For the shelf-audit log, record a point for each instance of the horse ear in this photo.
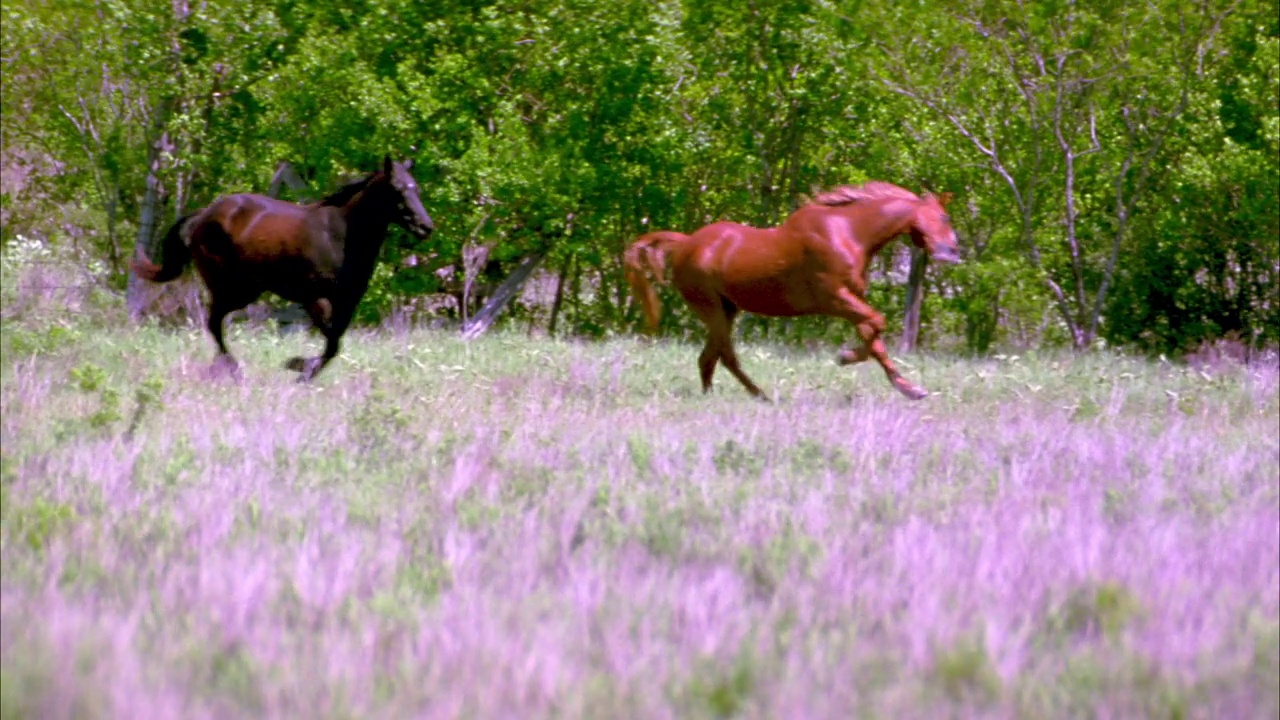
(944, 198)
(386, 164)
(408, 163)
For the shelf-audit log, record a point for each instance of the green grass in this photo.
(535, 527)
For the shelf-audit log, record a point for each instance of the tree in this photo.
(1088, 142)
(1206, 258)
(1062, 101)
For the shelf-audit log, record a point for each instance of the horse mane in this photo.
(346, 192)
(874, 190)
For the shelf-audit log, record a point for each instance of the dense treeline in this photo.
(1117, 164)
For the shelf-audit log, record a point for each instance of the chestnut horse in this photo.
(320, 255)
(814, 263)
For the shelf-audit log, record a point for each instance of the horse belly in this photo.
(288, 260)
(776, 296)
(298, 280)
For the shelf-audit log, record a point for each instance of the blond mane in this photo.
(875, 190)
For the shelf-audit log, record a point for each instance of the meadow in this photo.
(517, 527)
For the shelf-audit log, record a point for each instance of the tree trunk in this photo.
(559, 300)
(484, 319)
(113, 236)
(286, 175)
(915, 299)
(144, 244)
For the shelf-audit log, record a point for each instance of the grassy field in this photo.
(533, 528)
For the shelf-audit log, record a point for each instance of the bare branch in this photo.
(71, 118)
(1063, 305)
(1069, 191)
(960, 126)
(1093, 133)
(1023, 194)
(1124, 207)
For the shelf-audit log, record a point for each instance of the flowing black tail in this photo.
(174, 255)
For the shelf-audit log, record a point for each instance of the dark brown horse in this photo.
(815, 263)
(320, 255)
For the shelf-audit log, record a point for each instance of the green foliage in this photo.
(88, 377)
(147, 398)
(663, 532)
(22, 341)
(809, 457)
(721, 692)
(91, 380)
(179, 463)
(149, 393)
(377, 423)
(1266, 655)
(36, 523)
(415, 584)
(244, 490)
(570, 127)
(641, 457)
(230, 673)
(1082, 115)
(1104, 609)
(965, 672)
(731, 457)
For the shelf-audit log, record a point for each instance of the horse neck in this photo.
(880, 221)
(367, 225)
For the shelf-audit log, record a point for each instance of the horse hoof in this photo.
(225, 366)
(850, 357)
(306, 367)
(911, 391)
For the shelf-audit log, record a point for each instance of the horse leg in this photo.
(707, 360)
(707, 307)
(219, 308)
(870, 325)
(332, 326)
(730, 357)
(320, 311)
(312, 366)
(718, 316)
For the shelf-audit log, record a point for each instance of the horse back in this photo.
(733, 250)
(782, 271)
(263, 228)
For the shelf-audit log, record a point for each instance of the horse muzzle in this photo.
(422, 230)
(948, 255)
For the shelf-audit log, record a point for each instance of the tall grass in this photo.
(535, 528)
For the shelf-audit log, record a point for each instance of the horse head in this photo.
(410, 214)
(931, 229)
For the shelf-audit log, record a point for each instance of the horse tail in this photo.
(648, 256)
(174, 255)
